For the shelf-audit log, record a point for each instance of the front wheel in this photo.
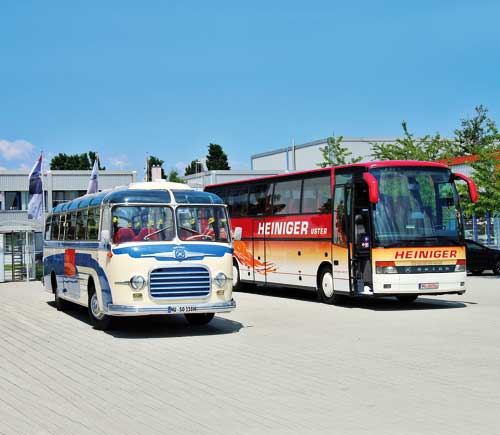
(98, 319)
(406, 299)
(236, 277)
(200, 318)
(325, 287)
(496, 267)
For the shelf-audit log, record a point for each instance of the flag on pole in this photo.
(35, 205)
(93, 182)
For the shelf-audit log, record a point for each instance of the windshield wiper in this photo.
(147, 236)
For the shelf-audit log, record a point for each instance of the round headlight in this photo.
(220, 279)
(137, 282)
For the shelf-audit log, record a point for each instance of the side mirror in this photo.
(372, 183)
(105, 236)
(470, 184)
(237, 233)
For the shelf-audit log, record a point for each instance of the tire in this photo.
(98, 319)
(477, 271)
(496, 267)
(199, 319)
(326, 291)
(407, 299)
(236, 277)
(60, 303)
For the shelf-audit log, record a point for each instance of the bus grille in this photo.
(179, 282)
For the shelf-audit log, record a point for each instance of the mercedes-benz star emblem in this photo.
(179, 253)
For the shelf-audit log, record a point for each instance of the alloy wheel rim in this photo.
(327, 284)
(94, 307)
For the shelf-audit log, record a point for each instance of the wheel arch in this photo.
(324, 265)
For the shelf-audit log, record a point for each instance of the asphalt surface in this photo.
(281, 363)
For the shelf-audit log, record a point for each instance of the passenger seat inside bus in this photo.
(124, 235)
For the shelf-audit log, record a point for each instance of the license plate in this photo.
(181, 309)
(428, 285)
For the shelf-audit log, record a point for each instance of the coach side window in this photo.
(259, 199)
(317, 196)
(237, 201)
(286, 197)
(54, 229)
(81, 224)
(47, 227)
(70, 226)
(93, 224)
(63, 227)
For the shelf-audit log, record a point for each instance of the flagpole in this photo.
(43, 192)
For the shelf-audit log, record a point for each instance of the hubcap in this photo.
(235, 276)
(327, 284)
(94, 307)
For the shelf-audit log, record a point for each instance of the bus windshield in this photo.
(142, 224)
(207, 223)
(417, 206)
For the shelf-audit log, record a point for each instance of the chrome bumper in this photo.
(134, 310)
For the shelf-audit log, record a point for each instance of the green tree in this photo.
(426, 148)
(479, 136)
(74, 162)
(194, 167)
(174, 177)
(92, 157)
(155, 161)
(216, 158)
(334, 154)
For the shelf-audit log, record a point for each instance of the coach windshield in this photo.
(417, 206)
(200, 222)
(142, 224)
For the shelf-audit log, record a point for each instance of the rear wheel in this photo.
(60, 303)
(325, 287)
(200, 318)
(477, 271)
(407, 299)
(98, 319)
(496, 267)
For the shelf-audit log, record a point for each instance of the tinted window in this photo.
(341, 215)
(237, 201)
(259, 199)
(286, 197)
(317, 196)
(70, 226)
(81, 225)
(54, 230)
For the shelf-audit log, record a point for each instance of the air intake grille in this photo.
(179, 282)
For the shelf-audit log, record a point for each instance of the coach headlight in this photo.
(220, 279)
(137, 282)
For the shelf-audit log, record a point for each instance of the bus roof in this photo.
(156, 192)
(367, 165)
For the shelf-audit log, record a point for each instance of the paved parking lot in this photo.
(279, 364)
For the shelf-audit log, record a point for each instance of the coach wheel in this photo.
(496, 267)
(325, 287)
(98, 319)
(61, 304)
(199, 319)
(476, 271)
(406, 299)
(236, 276)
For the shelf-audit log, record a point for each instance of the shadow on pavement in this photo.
(157, 326)
(369, 303)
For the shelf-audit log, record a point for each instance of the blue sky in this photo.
(125, 77)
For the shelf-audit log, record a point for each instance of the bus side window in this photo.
(259, 199)
(317, 195)
(71, 226)
(47, 227)
(286, 197)
(237, 201)
(93, 224)
(63, 227)
(81, 224)
(54, 230)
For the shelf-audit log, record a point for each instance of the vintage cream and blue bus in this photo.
(149, 248)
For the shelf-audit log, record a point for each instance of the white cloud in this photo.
(16, 150)
(119, 161)
(2, 168)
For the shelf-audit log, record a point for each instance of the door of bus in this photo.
(341, 238)
(259, 251)
(361, 269)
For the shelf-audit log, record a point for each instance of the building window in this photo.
(16, 200)
(60, 196)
